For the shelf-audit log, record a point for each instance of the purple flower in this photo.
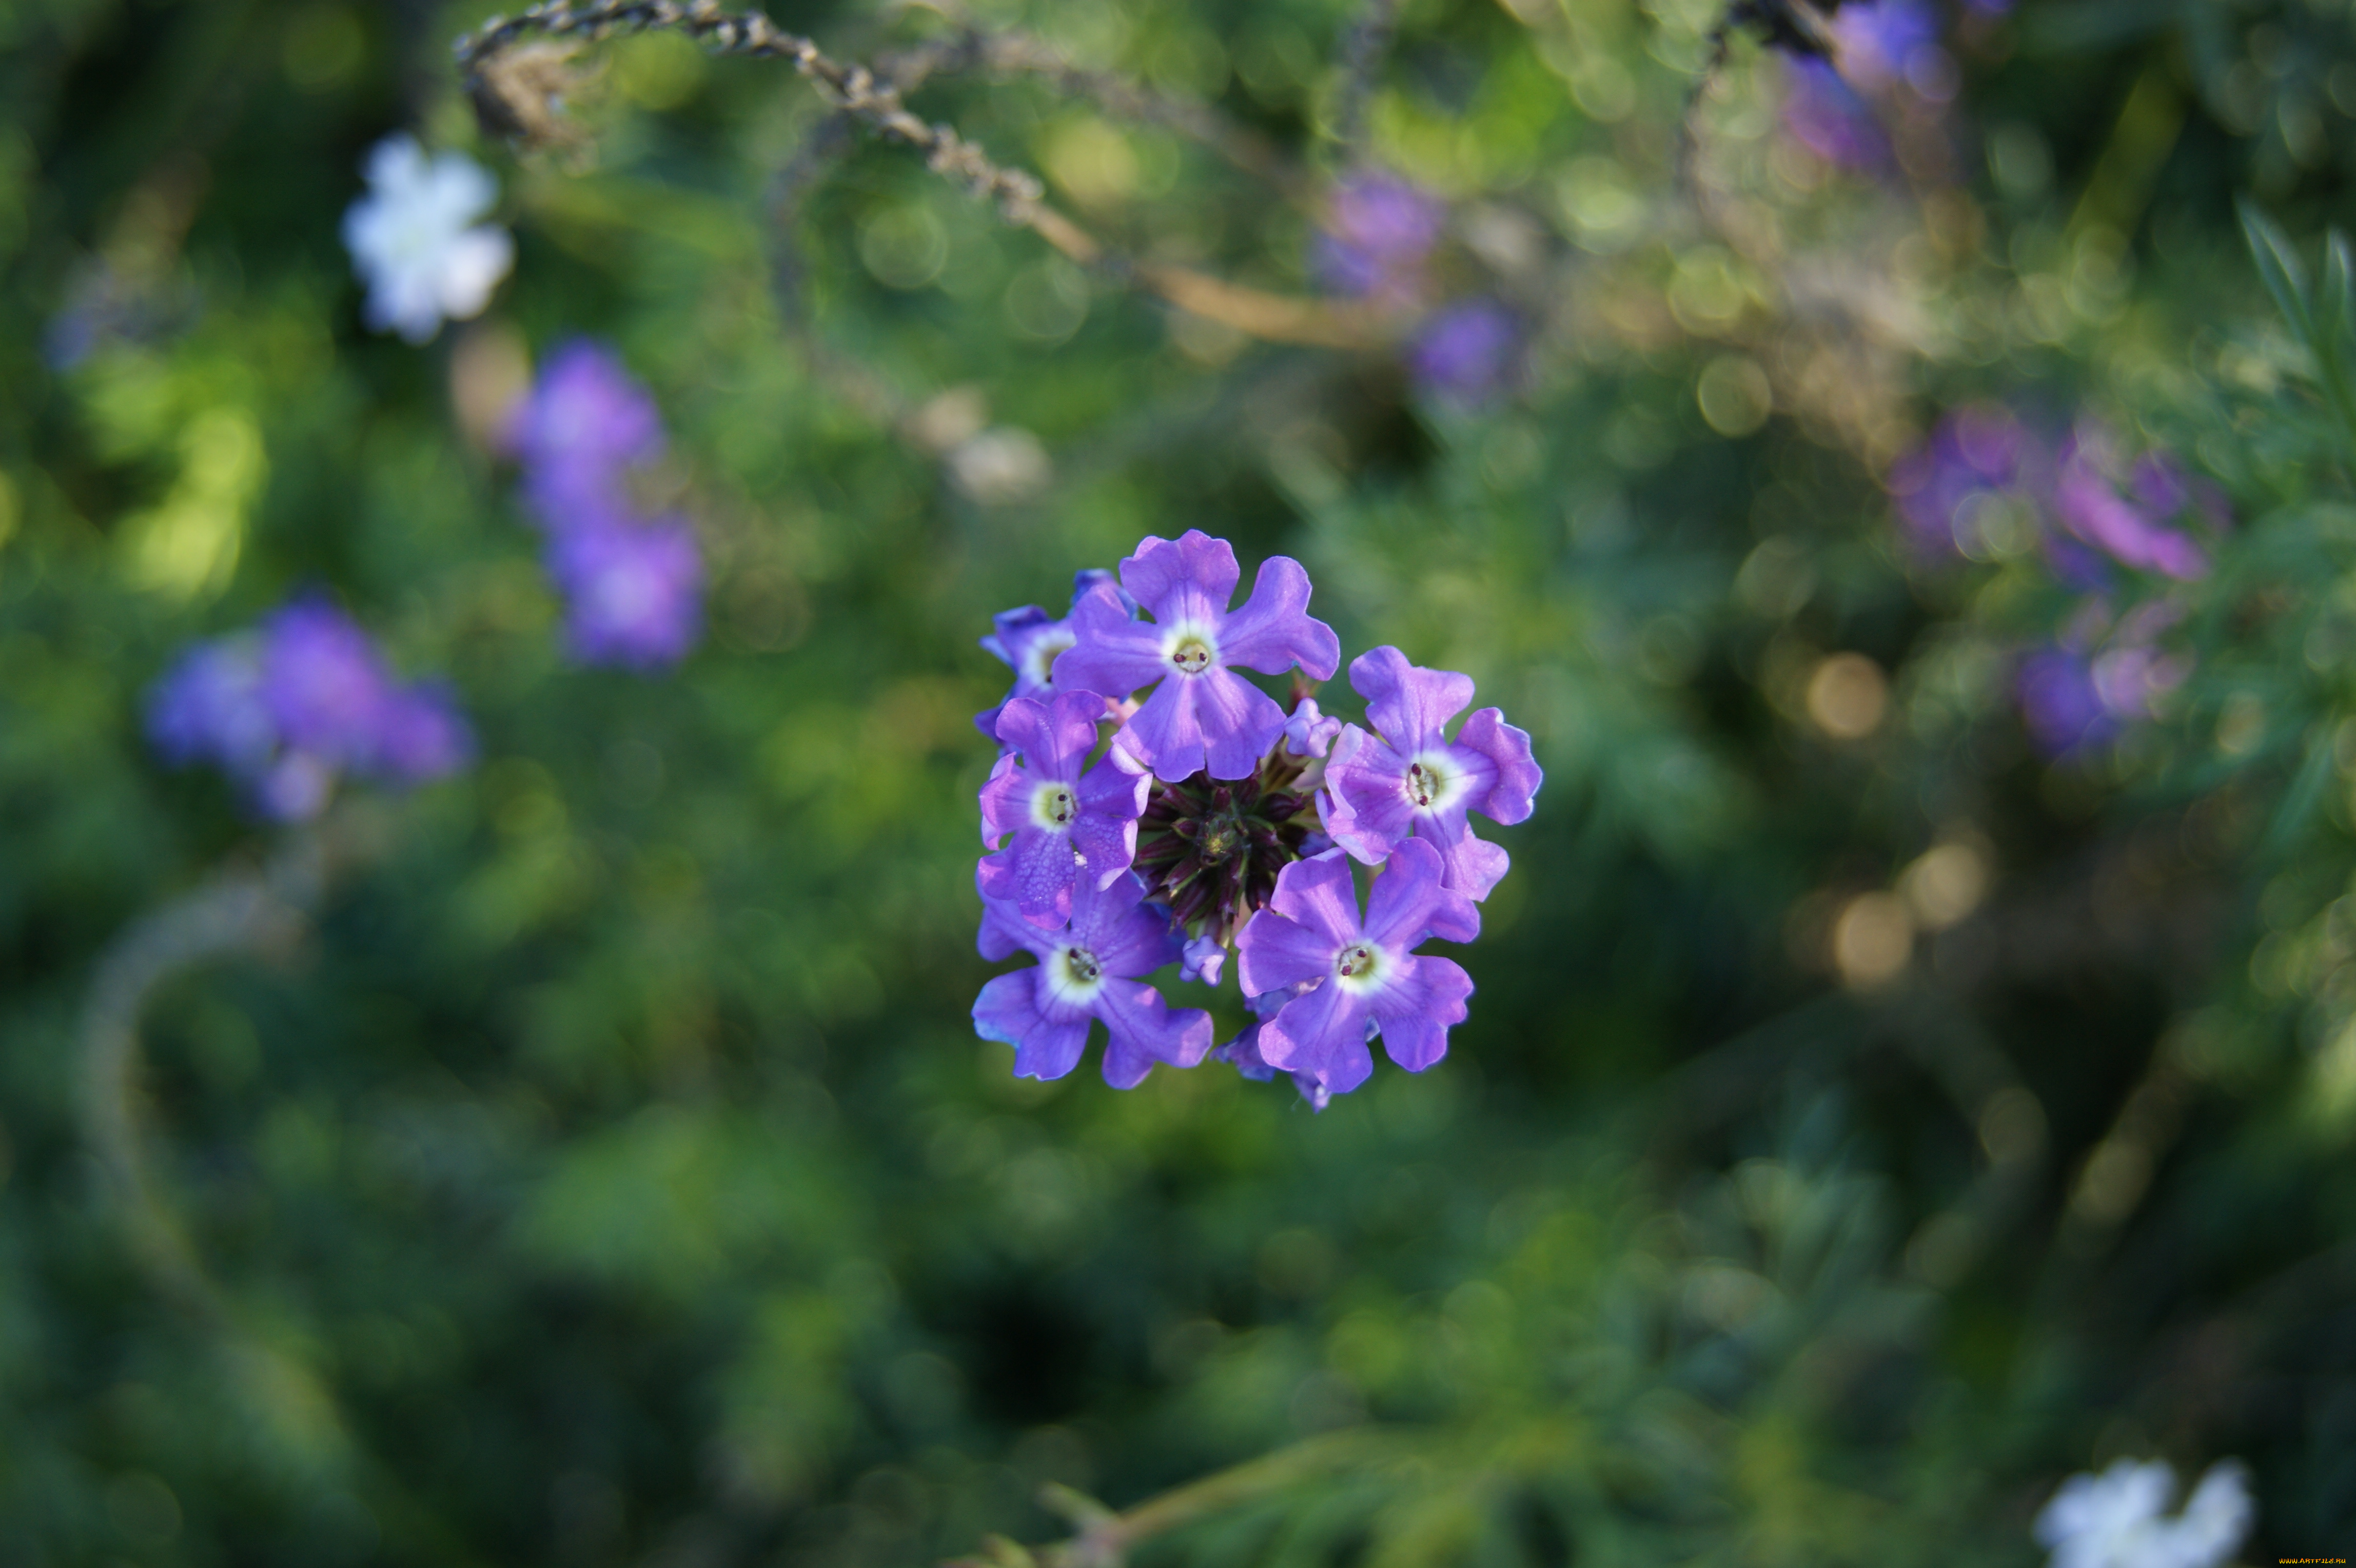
(1242, 1053)
(1379, 230)
(1029, 640)
(1464, 353)
(1307, 732)
(1203, 958)
(422, 736)
(584, 425)
(1201, 715)
(632, 592)
(1087, 972)
(1362, 977)
(327, 688)
(2087, 500)
(1979, 458)
(1068, 825)
(1410, 778)
(288, 710)
(1882, 41)
(209, 707)
(1826, 115)
(2060, 703)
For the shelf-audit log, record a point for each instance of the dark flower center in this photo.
(1081, 965)
(1191, 657)
(1212, 849)
(1357, 961)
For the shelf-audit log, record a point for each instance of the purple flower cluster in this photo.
(1212, 819)
(1985, 485)
(303, 700)
(1376, 245)
(632, 585)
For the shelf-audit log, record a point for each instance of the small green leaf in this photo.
(2278, 264)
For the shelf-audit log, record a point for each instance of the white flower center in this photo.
(1040, 657)
(1074, 976)
(1433, 783)
(1191, 649)
(1359, 967)
(1053, 806)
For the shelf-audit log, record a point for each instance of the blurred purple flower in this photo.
(1882, 42)
(1826, 115)
(632, 592)
(584, 425)
(1978, 456)
(288, 710)
(1088, 971)
(209, 707)
(2134, 533)
(1201, 715)
(1379, 230)
(2060, 703)
(1464, 353)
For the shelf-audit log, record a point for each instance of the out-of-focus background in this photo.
(1911, 1060)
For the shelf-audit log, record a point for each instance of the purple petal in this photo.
(1406, 704)
(1365, 806)
(1424, 996)
(1410, 899)
(1470, 867)
(1307, 732)
(1323, 1034)
(1204, 959)
(1005, 801)
(1188, 580)
(1145, 1031)
(1112, 655)
(1005, 932)
(1273, 953)
(1008, 1010)
(1274, 632)
(1239, 723)
(1129, 936)
(1055, 741)
(1512, 797)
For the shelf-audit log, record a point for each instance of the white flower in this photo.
(411, 242)
(2116, 1520)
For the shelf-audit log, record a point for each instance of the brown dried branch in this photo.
(874, 102)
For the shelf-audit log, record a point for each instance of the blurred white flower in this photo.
(2117, 1519)
(411, 240)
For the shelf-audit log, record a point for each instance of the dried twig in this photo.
(872, 101)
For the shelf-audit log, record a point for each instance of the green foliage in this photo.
(1864, 1121)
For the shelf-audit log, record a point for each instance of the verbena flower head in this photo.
(1062, 821)
(1029, 639)
(1465, 353)
(1208, 822)
(416, 242)
(584, 425)
(1088, 972)
(1379, 230)
(1357, 977)
(632, 592)
(288, 710)
(1407, 777)
(1201, 716)
(2119, 1520)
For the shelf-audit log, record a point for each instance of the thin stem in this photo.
(240, 911)
(874, 102)
(1364, 45)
